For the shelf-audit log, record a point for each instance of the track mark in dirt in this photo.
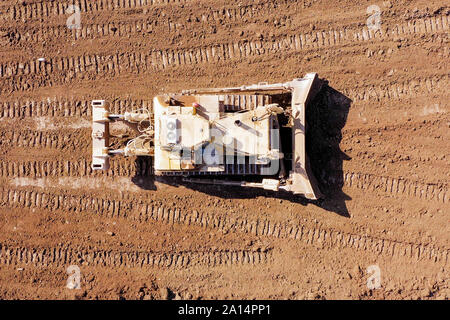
(74, 168)
(407, 89)
(15, 74)
(81, 108)
(57, 8)
(317, 39)
(76, 140)
(93, 183)
(65, 108)
(142, 211)
(139, 26)
(393, 128)
(400, 186)
(143, 167)
(45, 257)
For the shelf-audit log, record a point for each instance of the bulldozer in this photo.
(247, 136)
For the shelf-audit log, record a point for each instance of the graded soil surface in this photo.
(379, 142)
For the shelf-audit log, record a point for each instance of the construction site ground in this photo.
(379, 143)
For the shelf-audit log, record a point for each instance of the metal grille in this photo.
(235, 102)
(235, 168)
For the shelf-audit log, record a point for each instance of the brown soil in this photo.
(379, 141)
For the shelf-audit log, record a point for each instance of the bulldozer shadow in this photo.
(326, 118)
(144, 177)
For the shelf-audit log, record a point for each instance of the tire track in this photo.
(142, 211)
(53, 139)
(58, 256)
(143, 167)
(393, 128)
(161, 59)
(395, 186)
(50, 8)
(57, 8)
(16, 75)
(232, 14)
(64, 108)
(139, 26)
(82, 108)
(399, 90)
